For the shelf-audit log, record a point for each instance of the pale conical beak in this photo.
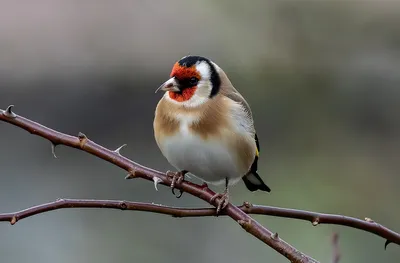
(169, 85)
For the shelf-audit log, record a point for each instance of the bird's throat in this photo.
(184, 95)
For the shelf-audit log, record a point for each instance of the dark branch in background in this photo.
(135, 170)
(335, 248)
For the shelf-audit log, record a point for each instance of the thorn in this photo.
(131, 175)
(13, 220)
(156, 181)
(82, 139)
(53, 149)
(275, 236)
(387, 243)
(246, 224)
(315, 222)
(117, 151)
(81, 136)
(247, 204)
(122, 205)
(369, 220)
(8, 112)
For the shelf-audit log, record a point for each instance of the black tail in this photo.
(254, 182)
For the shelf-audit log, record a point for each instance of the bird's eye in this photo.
(193, 81)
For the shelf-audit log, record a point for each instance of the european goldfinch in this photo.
(205, 127)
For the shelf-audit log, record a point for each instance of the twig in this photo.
(335, 248)
(312, 217)
(111, 204)
(316, 218)
(136, 170)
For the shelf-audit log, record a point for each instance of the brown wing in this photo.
(252, 180)
(234, 95)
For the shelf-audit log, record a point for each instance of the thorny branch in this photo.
(248, 208)
(237, 213)
(135, 170)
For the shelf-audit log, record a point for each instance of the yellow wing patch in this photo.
(257, 145)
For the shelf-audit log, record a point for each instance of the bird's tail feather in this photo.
(254, 182)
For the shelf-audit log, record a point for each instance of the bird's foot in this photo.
(222, 202)
(177, 178)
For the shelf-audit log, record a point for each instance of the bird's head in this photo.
(194, 80)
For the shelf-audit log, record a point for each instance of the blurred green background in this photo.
(322, 78)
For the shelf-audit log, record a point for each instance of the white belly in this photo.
(208, 160)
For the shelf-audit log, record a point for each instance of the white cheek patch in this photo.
(204, 69)
(203, 88)
(204, 85)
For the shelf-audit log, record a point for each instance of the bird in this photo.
(204, 127)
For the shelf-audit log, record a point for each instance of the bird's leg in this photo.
(223, 198)
(177, 177)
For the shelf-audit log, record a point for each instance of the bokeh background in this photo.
(323, 80)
